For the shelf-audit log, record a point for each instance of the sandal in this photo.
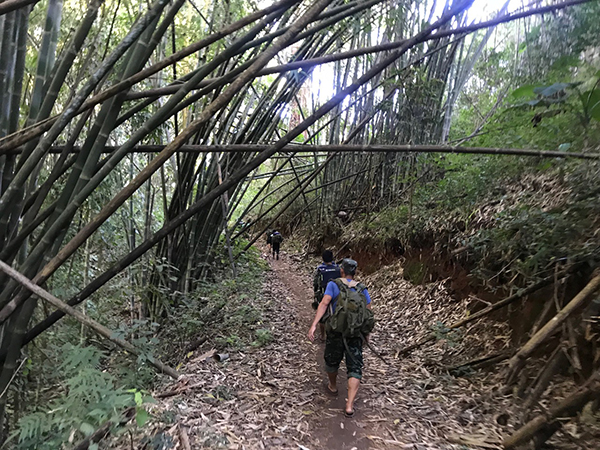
(349, 414)
(330, 392)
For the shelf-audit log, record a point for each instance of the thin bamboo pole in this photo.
(11, 5)
(517, 362)
(345, 148)
(85, 320)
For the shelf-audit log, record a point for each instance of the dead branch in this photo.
(81, 318)
(554, 364)
(568, 407)
(178, 391)
(184, 439)
(518, 361)
(104, 430)
(480, 363)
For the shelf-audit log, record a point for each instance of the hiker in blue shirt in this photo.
(326, 271)
(335, 348)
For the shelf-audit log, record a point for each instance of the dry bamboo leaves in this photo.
(272, 397)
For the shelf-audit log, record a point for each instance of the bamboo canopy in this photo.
(199, 121)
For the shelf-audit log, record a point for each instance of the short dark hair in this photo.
(349, 266)
(327, 256)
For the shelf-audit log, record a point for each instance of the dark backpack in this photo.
(323, 275)
(351, 317)
(276, 238)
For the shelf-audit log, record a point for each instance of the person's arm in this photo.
(320, 312)
(368, 297)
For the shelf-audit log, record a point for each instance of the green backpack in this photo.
(351, 317)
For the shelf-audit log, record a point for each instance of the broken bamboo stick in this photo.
(517, 362)
(85, 320)
(567, 407)
(105, 430)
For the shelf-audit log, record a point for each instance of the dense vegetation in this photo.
(145, 147)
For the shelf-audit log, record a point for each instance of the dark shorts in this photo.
(276, 247)
(335, 351)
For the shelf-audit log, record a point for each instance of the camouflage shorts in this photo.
(335, 351)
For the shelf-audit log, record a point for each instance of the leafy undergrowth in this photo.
(87, 398)
(222, 311)
(89, 385)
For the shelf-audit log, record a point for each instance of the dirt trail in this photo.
(329, 428)
(273, 396)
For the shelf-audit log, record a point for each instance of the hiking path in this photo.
(274, 396)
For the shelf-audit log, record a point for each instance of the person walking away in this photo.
(351, 321)
(276, 240)
(270, 241)
(325, 272)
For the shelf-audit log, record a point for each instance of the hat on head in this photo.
(349, 266)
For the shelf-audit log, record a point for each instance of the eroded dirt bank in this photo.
(274, 396)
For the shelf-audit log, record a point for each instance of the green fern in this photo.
(91, 397)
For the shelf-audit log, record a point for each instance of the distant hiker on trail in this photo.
(326, 271)
(270, 240)
(276, 240)
(350, 323)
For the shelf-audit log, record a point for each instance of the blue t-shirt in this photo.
(334, 291)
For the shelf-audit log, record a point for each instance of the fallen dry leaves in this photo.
(272, 397)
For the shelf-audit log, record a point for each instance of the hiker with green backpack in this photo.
(348, 326)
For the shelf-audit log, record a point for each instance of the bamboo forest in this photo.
(209, 208)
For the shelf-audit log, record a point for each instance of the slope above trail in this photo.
(274, 396)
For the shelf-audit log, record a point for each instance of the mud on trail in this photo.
(274, 396)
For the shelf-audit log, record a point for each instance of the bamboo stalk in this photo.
(309, 63)
(85, 320)
(343, 148)
(157, 162)
(11, 5)
(71, 110)
(16, 139)
(567, 407)
(233, 179)
(517, 362)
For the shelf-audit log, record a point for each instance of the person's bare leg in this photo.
(333, 381)
(353, 384)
